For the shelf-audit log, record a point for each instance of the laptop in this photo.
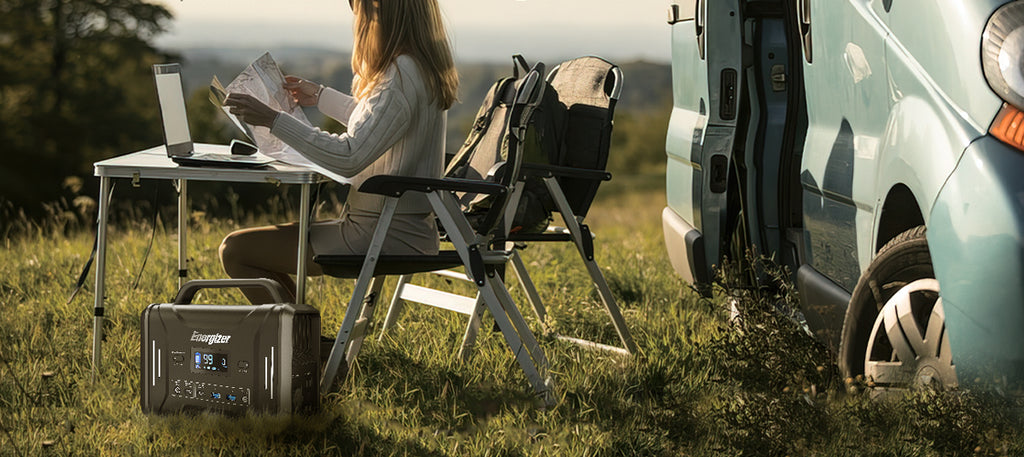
(177, 137)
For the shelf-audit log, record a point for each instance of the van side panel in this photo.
(944, 37)
(847, 106)
(939, 104)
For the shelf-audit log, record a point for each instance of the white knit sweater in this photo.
(397, 130)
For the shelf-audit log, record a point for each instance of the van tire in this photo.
(902, 261)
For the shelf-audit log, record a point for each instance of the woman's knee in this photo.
(267, 249)
(231, 251)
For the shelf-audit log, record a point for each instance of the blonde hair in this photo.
(385, 29)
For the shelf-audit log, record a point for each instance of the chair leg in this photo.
(358, 318)
(610, 305)
(472, 329)
(494, 294)
(593, 269)
(364, 325)
(517, 320)
(360, 306)
(531, 290)
(519, 337)
(396, 306)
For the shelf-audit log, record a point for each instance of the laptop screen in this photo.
(172, 109)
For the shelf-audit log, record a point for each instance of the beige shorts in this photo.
(351, 234)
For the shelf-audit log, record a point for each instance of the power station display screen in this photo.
(209, 362)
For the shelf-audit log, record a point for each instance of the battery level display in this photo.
(210, 362)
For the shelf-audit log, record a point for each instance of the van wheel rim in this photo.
(908, 344)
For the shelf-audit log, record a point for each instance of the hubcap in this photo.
(909, 345)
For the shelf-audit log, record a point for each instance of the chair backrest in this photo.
(589, 87)
(493, 150)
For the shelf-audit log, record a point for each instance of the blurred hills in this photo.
(647, 86)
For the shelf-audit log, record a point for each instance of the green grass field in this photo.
(700, 386)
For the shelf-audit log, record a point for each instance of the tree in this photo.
(75, 87)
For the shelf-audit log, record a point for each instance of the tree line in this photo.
(75, 87)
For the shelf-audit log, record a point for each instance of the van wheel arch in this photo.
(900, 212)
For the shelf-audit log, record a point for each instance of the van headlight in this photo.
(1002, 59)
(1002, 50)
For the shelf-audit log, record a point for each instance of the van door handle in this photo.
(677, 14)
(719, 173)
(803, 21)
(673, 14)
(700, 19)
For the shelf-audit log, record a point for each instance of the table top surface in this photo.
(153, 163)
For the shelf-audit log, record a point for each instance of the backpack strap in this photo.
(483, 120)
(518, 61)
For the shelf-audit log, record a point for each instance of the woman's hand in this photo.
(305, 93)
(250, 110)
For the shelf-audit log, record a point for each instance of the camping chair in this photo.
(479, 248)
(592, 86)
(589, 87)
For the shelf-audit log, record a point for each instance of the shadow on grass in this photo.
(323, 434)
(404, 381)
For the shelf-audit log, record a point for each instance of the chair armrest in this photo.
(545, 171)
(395, 186)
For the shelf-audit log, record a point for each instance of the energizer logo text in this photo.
(210, 339)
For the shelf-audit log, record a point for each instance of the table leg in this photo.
(182, 232)
(101, 271)
(300, 269)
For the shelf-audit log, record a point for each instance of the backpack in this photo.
(576, 136)
(544, 143)
(481, 148)
(570, 128)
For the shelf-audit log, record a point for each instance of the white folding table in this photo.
(153, 163)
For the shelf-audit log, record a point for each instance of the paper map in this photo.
(263, 80)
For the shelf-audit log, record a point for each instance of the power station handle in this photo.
(191, 288)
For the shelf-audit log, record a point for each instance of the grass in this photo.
(702, 385)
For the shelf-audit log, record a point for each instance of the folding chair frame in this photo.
(575, 231)
(491, 293)
(474, 251)
(472, 307)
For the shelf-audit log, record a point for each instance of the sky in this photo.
(481, 29)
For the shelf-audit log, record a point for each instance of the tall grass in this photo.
(703, 384)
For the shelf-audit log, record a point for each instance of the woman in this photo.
(404, 81)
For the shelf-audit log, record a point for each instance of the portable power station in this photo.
(230, 358)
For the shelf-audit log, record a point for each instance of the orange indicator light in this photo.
(1009, 126)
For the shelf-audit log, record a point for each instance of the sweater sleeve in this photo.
(376, 124)
(336, 105)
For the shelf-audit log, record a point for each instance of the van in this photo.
(876, 149)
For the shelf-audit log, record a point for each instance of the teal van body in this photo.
(850, 139)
